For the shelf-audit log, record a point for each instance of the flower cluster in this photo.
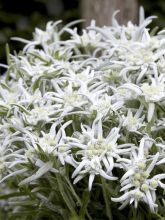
(94, 102)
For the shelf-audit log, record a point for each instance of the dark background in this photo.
(19, 18)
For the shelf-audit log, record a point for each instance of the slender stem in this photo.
(161, 108)
(8, 54)
(64, 195)
(73, 191)
(89, 217)
(85, 201)
(127, 136)
(134, 213)
(159, 216)
(107, 202)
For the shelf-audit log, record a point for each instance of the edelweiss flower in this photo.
(154, 92)
(67, 99)
(97, 153)
(80, 77)
(104, 105)
(88, 38)
(138, 183)
(9, 156)
(40, 114)
(11, 96)
(121, 93)
(54, 143)
(133, 123)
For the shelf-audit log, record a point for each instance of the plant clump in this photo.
(82, 123)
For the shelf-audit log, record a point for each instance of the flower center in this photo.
(71, 97)
(47, 143)
(97, 148)
(141, 56)
(151, 90)
(101, 107)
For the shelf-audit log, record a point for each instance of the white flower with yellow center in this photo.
(140, 56)
(67, 99)
(12, 95)
(138, 183)
(133, 122)
(153, 93)
(89, 38)
(104, 105)
(54, 142)
(127, 91)
(37, 114)
(80, 77)
(97, 154)
(47, 142)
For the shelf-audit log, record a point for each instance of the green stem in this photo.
(64, 195)
(83, 210)
(67, 179)
(107, 202)
(73, 191)
(159, 216)
(161, 108)
(8, 54)
(134, 213)
(127, 136)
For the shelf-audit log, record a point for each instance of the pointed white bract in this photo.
(138, 183)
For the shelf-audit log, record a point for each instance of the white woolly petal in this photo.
(121, 198)
(126, 187)
(127, 174)
(111, 164)
(162, 185)
(78, 178)
(14, 174)
(159, 176)
(105, 161)
(161, 161)
(153, 163)
(79, 168)
(91, 179)
(124, 204)
(103, 174)
(44, 169)
(151, 109)
(150, 201)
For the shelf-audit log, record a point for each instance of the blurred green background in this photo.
(19, 18)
